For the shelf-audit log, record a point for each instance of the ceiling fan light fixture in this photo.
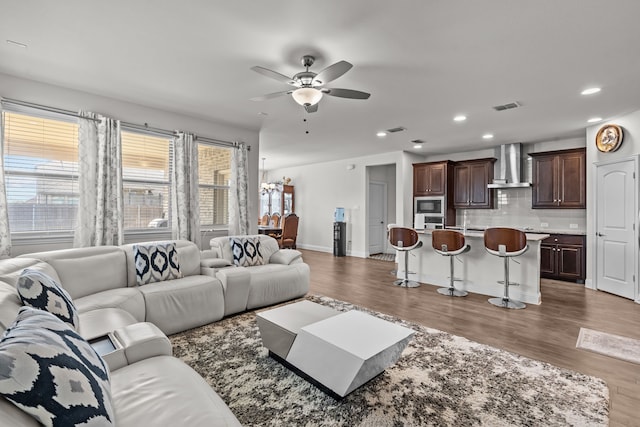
(306, 96)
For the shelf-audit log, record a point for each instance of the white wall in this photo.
(630, 147)
(59, 97)
(321, 187)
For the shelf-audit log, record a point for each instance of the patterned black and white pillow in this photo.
(50, 372)
(39, 290)
(246, 251)
(156, 262)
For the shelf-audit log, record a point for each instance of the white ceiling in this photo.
(423, 61)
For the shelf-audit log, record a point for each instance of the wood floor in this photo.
(546, 332)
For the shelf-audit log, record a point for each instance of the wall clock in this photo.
(609, 138)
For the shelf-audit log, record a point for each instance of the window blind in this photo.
(146, 180)
(41, 171)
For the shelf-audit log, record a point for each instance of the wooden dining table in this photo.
(266, 229)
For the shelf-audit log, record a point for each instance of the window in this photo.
(214, 173)
(146, 180)
(41, 171)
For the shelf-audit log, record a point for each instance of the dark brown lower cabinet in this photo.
(562, 257)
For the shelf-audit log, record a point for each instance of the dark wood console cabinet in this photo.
(470, 180)
(562, 257)
(559, 179)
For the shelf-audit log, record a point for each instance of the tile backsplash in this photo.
(513, 209)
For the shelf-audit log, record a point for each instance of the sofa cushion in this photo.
(164, 391)
(156, 262)
(105, 265)
(39, 290)
(246, 251)
(274, 283)
(181, 304)
(11, 269)
(127, 299)
(53, 374)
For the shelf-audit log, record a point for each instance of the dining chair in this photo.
(289, 232)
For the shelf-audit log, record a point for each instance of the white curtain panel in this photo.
(100, 219)
(185, 204)
(238, 193)
(5, 235)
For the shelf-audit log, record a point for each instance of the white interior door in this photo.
(616, 234)
(377, 217)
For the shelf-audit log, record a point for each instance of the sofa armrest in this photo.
(285, 256)
(141, 341)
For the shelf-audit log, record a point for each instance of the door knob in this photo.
(600, 234)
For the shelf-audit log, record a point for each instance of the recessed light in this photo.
(487, 136)
(18, 44)
(460, 118)
(381, 134)
(417, 146)
(594, 119)
(590, 91)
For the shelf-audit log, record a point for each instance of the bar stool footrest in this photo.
(510, 283)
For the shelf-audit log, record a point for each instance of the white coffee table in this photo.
(338, 350)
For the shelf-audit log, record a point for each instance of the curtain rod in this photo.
(125, 124)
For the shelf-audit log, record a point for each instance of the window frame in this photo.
(227, 188)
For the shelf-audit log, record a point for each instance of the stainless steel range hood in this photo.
(508, 167)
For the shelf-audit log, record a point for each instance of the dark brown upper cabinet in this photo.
(431, 179)
(470, 180)
(559, 179)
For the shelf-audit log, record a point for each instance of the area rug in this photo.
(440, 380)
(624, 348)
(383, 257)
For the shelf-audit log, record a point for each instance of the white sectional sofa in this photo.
(148, 385)
(281, 274)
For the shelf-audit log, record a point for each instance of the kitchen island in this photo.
(479, 270)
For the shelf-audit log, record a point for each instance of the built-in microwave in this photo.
(429, 205)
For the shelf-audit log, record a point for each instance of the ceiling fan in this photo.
(309, 85)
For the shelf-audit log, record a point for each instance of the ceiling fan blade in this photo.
(346, 93)
(311, 108)
(274, 75)
(271, 95)
(331, 73)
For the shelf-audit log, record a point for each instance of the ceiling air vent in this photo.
(397, 129)
(417, 141)
(508, 106)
